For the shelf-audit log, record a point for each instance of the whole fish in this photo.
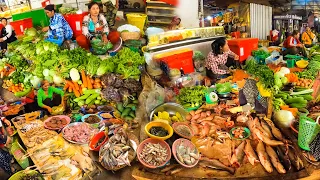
(238, 155)
(263, 156)
(283, 157)
(295, 159)
(266, 128)
(251, 155)
(250, 124)
(267, 140)
(215, 164)
(275, 131)
(259, 127)
(275, 160)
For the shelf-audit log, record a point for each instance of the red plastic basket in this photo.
(243, 47)
(20, 25)
(75, 22)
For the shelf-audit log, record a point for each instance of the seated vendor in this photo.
(220, 59)
(293, 46)
(59, 30)
(94, 26)
(7, 34)
(49, 96)
(307, 38)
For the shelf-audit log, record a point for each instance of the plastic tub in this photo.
(290, 63)
(95, 140)
(138, 20)
(161, 124)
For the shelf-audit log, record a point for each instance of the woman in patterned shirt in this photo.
(94, 26)
(220, 59)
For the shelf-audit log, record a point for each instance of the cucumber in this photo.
(297, 105)
(132, 114)
(128, 118)
(294, 100)
(120, 107)
(125, 112)
(91, 98)
(132, 106)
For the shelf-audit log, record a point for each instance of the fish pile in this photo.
(37, 135)
(117, 151)
(79, 133)
(186, 155)
(154, 154)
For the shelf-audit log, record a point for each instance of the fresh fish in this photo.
(295, 159)
(275, 131)
(263, 156)
(251, 155)
(266, 128)
(266, 140)
(250, 124)
(275, 160)
(215, 164)
(238, 155)
(259, 127)
(283, 157)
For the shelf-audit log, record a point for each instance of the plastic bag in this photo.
(99, 47)
(224, 87)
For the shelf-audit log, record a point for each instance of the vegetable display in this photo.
(262, 72)
(191, 96)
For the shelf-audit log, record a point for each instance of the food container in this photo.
(160, 124)
(171, 108)
(94, 124)
(22, 174)
(302, 64)
(95, 140)
(106, 115)
(70, 125)
(185, 143)
(246, 130)
(154, 141)
(59, 116)
(175, 128)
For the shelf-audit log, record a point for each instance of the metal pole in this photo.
(202, 13)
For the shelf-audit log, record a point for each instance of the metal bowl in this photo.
(171, 108)
(75, 124)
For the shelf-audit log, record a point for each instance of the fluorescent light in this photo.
(209, 18)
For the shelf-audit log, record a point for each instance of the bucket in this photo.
(290, 63)
(308, 130)
(137, 20)
(75, 22)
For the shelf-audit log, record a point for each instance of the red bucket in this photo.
(20, 25)
(75, 22)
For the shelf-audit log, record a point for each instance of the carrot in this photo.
(89, 83)
(76, 85)
(84, 79)
(65, 87)
(80, 91)
(70, 89)
(76, 92)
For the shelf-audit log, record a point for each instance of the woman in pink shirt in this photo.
(220, 59)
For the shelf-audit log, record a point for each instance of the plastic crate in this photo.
(21, 25)
(75, 22)
(243, 47)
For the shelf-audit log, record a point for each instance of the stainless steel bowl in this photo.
(171, 108)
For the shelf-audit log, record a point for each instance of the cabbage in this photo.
(74, 74)
(285, 70)
(57, 80)
(284, 80)
(278, 82)
(35, 81)
(52, 73)
(32, 32)
(46, 72)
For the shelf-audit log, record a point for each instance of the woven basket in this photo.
(130, 36)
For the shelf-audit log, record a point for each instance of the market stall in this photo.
(158, 112)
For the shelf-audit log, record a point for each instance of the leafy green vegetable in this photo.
(262, 72)
(191, 96)
(106, 66)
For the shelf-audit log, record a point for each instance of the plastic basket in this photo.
(138, 20)
(308, 129)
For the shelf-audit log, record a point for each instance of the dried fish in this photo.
(154, 154)
(186, 155)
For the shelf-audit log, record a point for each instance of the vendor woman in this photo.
(220, 59)
(49, 96)
(94, 26)
(59, 30)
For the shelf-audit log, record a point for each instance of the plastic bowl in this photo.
(59, 116)
(161, 124)
(247, 131)
(177, 124)
(87, 115)
(185, 143)
(95, 140)
(171, 108)
(154, 141)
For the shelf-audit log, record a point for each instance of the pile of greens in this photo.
(260, 53)
(191, 96)
(127, 63)
(263, 72)
(313, 69)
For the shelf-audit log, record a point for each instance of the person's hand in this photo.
(236, 57)
(49, 109)
(7, 122)
(105, 39)
(9, 140)
(45, 29)
(1, 40)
